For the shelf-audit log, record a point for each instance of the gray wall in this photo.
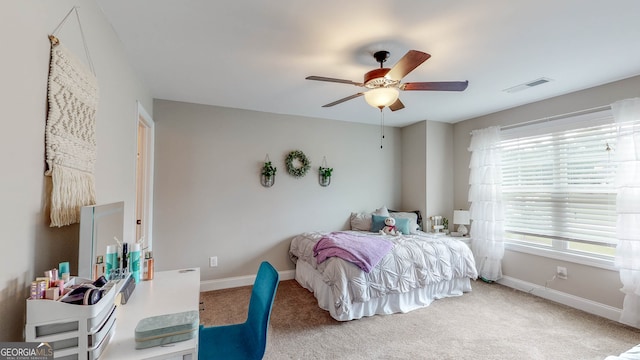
(208, 200)
(414, 167)
(588, 282)
(440, 170)
(29, 245)
(427, 172)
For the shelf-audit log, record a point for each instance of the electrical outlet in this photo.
(561, 272)
(213, 261)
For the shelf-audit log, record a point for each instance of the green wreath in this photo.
(301, 170)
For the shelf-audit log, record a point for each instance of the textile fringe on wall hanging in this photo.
(70, 135)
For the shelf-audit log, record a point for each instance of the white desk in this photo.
(168, 292)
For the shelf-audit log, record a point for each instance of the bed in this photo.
(631, 354)
(419, 268)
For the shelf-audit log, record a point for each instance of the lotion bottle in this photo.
(112, 262)
(134, 256)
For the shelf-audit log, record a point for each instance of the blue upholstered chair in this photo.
(247, 340)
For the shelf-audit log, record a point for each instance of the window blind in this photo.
(560, 184)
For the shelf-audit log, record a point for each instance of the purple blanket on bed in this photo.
(362, 250)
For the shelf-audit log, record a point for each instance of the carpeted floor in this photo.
(491, 322)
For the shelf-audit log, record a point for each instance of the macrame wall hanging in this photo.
(70, 138)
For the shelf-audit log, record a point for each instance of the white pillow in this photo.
(413, 220)
(383, 211)
(361, 221)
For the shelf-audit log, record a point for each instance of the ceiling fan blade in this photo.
(411, 60)
(322, 78)
(343, 100)
(436, 86)
(398, 105)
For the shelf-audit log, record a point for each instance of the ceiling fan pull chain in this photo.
(381, 127)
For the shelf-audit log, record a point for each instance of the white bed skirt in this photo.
(311, 279)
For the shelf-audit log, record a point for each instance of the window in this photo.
(558, 185)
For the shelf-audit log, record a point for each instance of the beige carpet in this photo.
(491, 322)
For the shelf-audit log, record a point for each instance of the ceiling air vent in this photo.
(527, 85)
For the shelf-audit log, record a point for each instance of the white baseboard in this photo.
(237, 281)
(592, 307)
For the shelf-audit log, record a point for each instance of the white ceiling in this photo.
(253, 54)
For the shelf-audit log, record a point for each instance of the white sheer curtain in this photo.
(627, 154)
(485, 195)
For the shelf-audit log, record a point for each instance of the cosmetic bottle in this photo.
(49, 275)
(145, 262)
(134, 266)
(125, 258)
(148, 266)
(112, 261)
(63, 268)
(98, 268)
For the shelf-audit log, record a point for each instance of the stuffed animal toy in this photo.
(390, 227)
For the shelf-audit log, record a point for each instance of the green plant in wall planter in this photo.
(325, 175)
(268, 174)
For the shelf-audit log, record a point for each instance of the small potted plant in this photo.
(268, 174)
(325, 175)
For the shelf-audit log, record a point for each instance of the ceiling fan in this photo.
(383, 84)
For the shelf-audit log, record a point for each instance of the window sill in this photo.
(563, 256)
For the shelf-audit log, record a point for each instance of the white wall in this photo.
(586, 282)
(208, 200)
(29, 246)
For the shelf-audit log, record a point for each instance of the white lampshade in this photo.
(381, 97)
(461, 217)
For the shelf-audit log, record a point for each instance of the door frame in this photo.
(145, 135)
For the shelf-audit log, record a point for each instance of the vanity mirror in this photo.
(99, 224)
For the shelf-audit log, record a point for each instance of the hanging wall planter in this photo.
(324, 173)
(267, 181)
(268, 175)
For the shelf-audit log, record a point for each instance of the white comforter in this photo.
(631, 354)
(414, 262)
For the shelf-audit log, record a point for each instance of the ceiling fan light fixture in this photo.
(381, 97)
